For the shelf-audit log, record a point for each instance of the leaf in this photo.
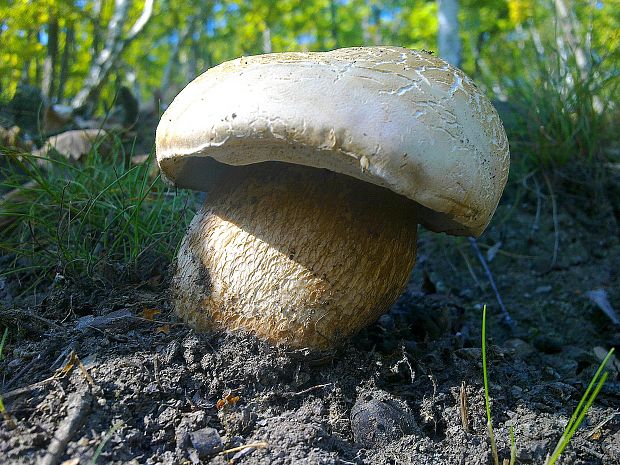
(228, 400)
(73, 145)
(599, 297)
(165, 329)
(232, 400)
(149, 313)
(492, 252)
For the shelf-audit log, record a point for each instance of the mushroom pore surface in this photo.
(296, 255)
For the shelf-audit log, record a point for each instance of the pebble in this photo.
(548, 344)
(377, 418)
(206, 441)
(520, 347)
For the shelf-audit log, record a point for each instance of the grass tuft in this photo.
(101, 218)
(594, 388)
(5, 335)
(562, 114)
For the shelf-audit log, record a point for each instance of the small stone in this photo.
(193, 457)
(534, 452)
(520, 347)
(83, 442)
(206, 441)
(542, 289)
(167, 417)
(473, 354)
(16, 362)
(242, 453)
(548, 344)
(387, 322)
(516, 392)
(377, 418)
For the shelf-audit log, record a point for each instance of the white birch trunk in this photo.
(448, 39)
(114, 46)
(567, 41)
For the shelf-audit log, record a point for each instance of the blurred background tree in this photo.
(81, 52)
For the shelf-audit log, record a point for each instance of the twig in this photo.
(79, 404)
(72, 362)
(260, 445)
(23, 371)
(24, 390)
(556, 225)
(306, 391)
(15, 313)
(470, 269)
(463, 407)
(507, 318)
(602, 423)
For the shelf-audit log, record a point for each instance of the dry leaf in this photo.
(72, 144)
(56, 117)
(149, 313)
(64, 371)
(165, 329)
(230, 400)
(227, 400)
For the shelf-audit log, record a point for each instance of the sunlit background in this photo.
(53, 43)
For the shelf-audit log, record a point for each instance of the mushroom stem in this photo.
(295, 255)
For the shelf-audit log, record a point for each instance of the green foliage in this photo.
(487, 397)
(101, 219)
(3, 342)
(594, 388)
(115, 427)
(562, 114)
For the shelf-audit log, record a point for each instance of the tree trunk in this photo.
(568, 37)
(334, 22)
(448, 39)
(96, 28)
(114, 46)
(173, 62)
(267, 40)
(49, 65)
(64, 64)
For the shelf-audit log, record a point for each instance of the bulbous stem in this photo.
(296, 255)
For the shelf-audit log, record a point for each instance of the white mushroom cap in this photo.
(397, 118)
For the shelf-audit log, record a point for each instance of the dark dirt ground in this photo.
(154, 391)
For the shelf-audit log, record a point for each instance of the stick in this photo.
(507, 318)
(306, 391)
(79, 404)
(24, 390)
(260, 445)
(23, 371)
(556, 225)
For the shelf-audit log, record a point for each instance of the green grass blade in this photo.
(115, 427)
(485, 376)
(3, 342)
(595, 386)
(513, 446)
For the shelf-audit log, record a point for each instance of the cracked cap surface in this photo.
(401, 119)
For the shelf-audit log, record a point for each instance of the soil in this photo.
(110, 375)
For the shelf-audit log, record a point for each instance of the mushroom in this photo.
(318, 167)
